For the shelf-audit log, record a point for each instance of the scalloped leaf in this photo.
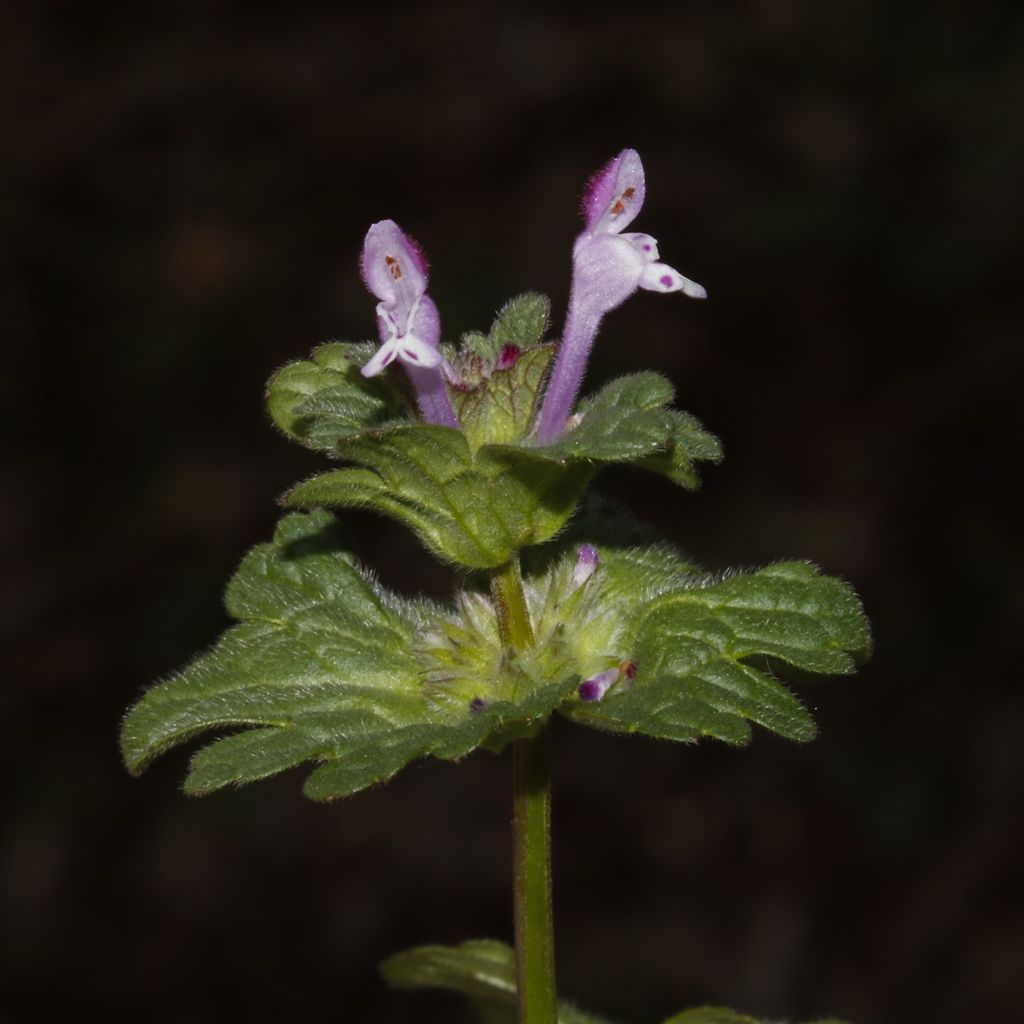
(723, 1015)
(474, 510)
(624, 421)
(690, 443)
(378, 757)
(703, 650)
(324, 666)
(322, 400)
(499, 408)
(522, 322)
(478, 507)
(484, 970)
(627, 421)
(711, 1015)
(495, 381)
(478, 495)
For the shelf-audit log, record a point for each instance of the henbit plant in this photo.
(479, 451)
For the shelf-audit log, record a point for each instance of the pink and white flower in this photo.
(609, 265)
(395, 271)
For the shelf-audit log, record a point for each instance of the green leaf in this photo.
(473, 510)
(327, 666)
(786, 610)
(522, 322)
(482, 970)
(480, 346)
(478, 495)
(322, 400)
(627, 421)
(373, 758)
(722, 1015)
(496, 380)
(638, 573)
(703, 648)
(689, 444)
(499, 408)
(711, 1015)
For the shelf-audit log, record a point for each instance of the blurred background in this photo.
(184, 191)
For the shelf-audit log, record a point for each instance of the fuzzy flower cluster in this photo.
(609, 264)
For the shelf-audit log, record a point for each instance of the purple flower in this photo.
(395, 271)
(596, 687)
(609, 265)
(587, 560)
(612, 265)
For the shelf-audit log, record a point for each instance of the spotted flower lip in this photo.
(395, 271)
(609, 265)
(624, 260)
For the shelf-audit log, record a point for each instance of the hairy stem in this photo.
(531, 776)
(510, 602)
(567, 376)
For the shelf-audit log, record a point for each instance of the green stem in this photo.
(531, 773)
(535, 945)
(510, 602)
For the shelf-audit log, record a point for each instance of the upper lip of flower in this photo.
(626, 260)
(614, 195)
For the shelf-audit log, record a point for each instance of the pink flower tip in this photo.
(613, 196)
(597, 686)
(587, 561)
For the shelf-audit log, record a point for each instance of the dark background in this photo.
(183, 195)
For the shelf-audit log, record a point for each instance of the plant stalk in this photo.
(531, 871)
(535, 945)
(510, 601)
